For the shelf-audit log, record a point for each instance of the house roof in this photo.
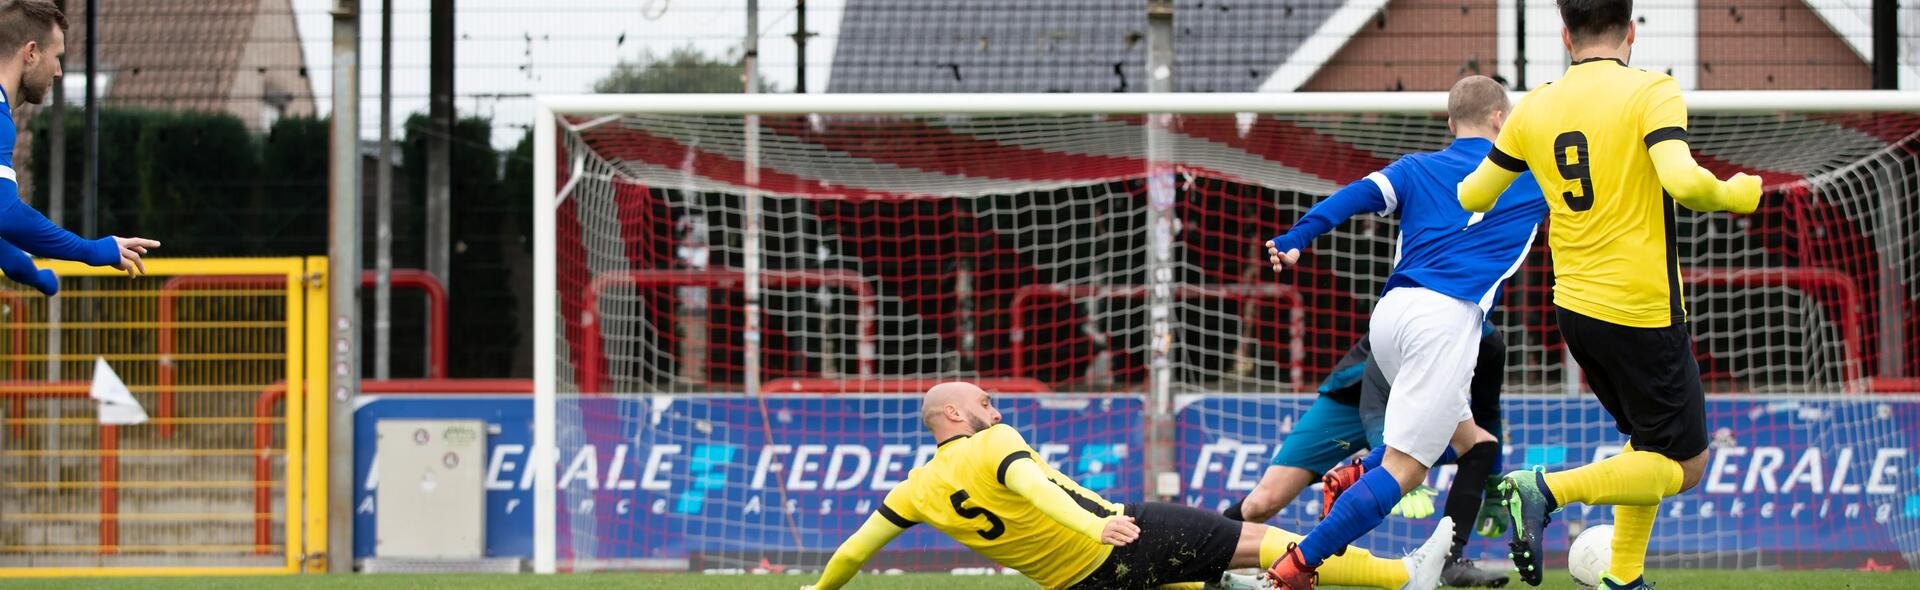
(171, 54)
(1062, 45)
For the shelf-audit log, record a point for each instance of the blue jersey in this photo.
(24, 228)
(1442, 246)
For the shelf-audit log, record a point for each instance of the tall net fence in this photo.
(1106, 254)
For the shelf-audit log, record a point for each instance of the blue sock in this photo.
(1373, 459)
(1358, 511)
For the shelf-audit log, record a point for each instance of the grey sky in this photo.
(512, 48)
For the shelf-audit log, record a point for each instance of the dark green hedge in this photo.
(207, 186)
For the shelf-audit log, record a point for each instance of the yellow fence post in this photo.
(294, 412)
(316, 418)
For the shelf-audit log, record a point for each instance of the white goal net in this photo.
(722, 281)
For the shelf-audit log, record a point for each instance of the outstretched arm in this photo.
(19, 267)
(27, 229)
(1374, 193)
(1025, 477)
(1694, 187)
(32, 232)
(1664, 121)
(873, 534)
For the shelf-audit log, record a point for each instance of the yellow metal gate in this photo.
(228, 474)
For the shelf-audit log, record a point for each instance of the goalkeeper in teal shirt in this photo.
(32, 41)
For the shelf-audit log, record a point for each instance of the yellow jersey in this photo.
(962, 492)
(1585, 137)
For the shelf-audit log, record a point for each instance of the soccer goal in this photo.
(699, 259)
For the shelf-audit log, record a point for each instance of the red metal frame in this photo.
(592, 366)
(1296, 362)
(437, 302)
(20, 391)
(1016, 385)
(263, 414)
(1806, 280)
(263, 464)
(1894, 385)
(403, 278)
(169, 292)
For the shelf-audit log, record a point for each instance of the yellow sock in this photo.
(1360, 568)
(1631, 478)
(1274, 545)
(1357, 568)
(1632, 526)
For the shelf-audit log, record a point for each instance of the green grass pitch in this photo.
(1677, 579)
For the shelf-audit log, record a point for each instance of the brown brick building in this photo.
(1329, 45)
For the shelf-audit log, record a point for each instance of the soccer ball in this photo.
(1590, 554)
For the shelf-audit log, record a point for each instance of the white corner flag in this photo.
(117, 406)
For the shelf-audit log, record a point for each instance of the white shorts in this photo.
(1426, 344)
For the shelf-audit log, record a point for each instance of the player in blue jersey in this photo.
(1447, 274)
(1350, 415)
(33, 38)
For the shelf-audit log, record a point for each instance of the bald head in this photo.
(1476, 106)
(957, 408)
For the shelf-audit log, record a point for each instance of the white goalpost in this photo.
(698, 259)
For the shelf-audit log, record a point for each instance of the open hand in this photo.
(1417, 503)
(1281, 260)
(1120, 531)
(131, 249)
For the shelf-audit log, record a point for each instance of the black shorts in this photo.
(1178, 543)
(1647, 379)
(1489, 377)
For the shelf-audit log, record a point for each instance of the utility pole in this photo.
(440, 121)
(800, 35)
(1161, 200)
(383, 210)
(1520, 45)
(750, 248)
(56, 204)
(343, 284)
(1886, 44)
(90, 181)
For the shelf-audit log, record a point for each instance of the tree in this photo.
(119, 205)
(485, 319)
(293, 188)
(198, 175)
(683, 70)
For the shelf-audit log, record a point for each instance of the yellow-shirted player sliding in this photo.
(1608, 144)
(986, 488)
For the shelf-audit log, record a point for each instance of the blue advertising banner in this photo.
(1788, 475)
(668, 477)
(674, 478)
(509, 483)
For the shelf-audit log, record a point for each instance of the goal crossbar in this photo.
(1209, 103)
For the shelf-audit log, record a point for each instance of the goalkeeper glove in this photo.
(1494, 520)
(1417, 503)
